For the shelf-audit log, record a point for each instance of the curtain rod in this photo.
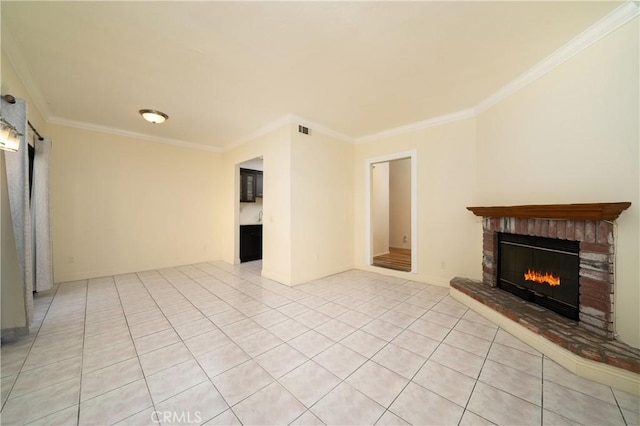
(12, 100)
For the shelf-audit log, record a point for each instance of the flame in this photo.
(541, 278)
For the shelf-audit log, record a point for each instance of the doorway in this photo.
(391, 212)
(250, 210)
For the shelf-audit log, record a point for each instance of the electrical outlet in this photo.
(70, 259)
(404, 239)
(443, 265)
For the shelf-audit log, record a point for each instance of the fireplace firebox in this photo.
(545, 271)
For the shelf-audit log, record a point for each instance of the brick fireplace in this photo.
(591, 226)
(596, 256)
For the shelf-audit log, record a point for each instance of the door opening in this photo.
(391, 212)
(250, 210)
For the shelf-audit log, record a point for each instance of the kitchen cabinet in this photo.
(247, 186)
(250, 242)
(250, 185)
(259, 184)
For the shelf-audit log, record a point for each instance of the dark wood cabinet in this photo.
(247, 186)
(250, 185)
(258, 184)
(250, 242)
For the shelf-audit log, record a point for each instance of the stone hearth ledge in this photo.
(626, 377)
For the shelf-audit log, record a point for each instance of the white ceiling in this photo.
(223, 70)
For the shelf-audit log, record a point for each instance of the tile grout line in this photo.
(144, 376)
(171, 326)
(84, 331)
(276, 380)
(47, 365)
(230, 407)
(423, 364)
(600, 400)
(484, 361)
(27, 356)
(30, 347)
(50, 364)
(385, 409)
(624, 418)
(542, 392)
(210, 379)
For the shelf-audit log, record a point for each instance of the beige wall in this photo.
(122, 205)
(380, 208)
(400, 203)
(449, 242)
(306, 177)
(275, 148)
(570, 137)
(321, 205)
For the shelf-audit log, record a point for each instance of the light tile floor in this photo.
(218, 344)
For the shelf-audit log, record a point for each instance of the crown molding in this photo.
(432, 122)
(9, 47)
(288, 120)
(17, 61)
(614, 20)
(119, 132)
(266, 129)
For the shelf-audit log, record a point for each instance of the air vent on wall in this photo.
(303, 130)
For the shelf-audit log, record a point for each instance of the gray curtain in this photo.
(29, 208)
(40, 226)
(17, 167)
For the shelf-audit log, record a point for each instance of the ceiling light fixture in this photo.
(153, 116)
(9, 136)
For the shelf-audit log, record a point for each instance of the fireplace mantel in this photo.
(587, 211)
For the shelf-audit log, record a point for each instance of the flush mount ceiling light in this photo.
(153, 116)
(9, 136)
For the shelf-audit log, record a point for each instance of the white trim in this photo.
(618, 17)
(432, 122)
(413, 155)
(592, 370)
(115, 131)
(414, 212)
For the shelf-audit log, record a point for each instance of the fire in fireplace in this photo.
(545, 271)
(541, 278)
